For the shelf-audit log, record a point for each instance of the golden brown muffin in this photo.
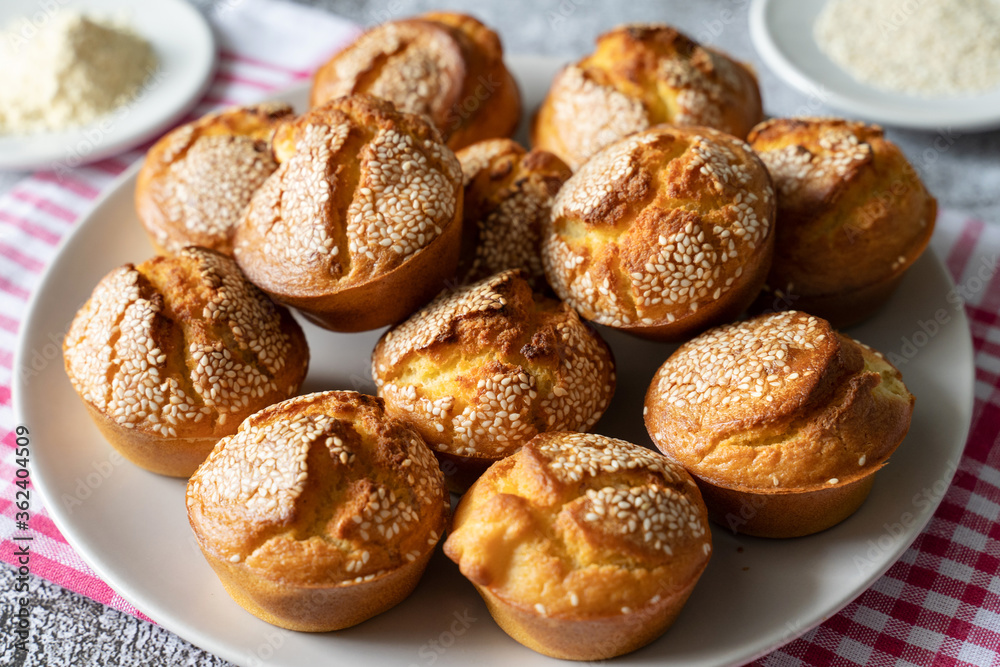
(853, 216)
(172, 354)
(663, 234)
(583, 547)
(361, 223)
(446, 66)
(320, 513)
(482, 370)
(197, 180)
(782, 421)
(508, 197)
(640, 76)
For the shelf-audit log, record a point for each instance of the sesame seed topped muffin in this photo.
(361, 223)
(664, 233)
(782, 420)
(482, 370)
(508, 197)
(444, 65)
(321, 512)
(583, 547)
(171, 355)
(640, 76)
(197, 180)
(853, 216)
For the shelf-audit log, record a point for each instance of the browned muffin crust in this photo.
(446, 66)
(320, 513)
(853, 216)
(482, 370)
(196, 181)
(664, 233)
(361, 223)
(583, 547)
(508, 197)
(640, 76)
(172, 354)
(779, 408)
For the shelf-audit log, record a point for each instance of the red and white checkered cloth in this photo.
(939, 604)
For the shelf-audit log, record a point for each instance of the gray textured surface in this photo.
(68, 629)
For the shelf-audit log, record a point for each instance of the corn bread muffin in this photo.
(361, 224)
(320, 513)
(171, 355)
(197, 180)
(583, 547)
(853, 216)
(640, 76)
(446, 66)
(663, 234)
(783, 421)
(482, 370)
(507, 199)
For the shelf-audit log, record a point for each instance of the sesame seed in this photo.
(201, 176)
(732, 361)
(692, 260)
(587, 109)
(124, 330)
(403, 63)
(598, 114)
(392, 214)
(647, 513)
(506, 215)
(492, 406)
(260, 474)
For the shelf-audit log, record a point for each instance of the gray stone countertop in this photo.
(962, 170)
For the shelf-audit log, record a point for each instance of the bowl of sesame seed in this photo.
(927, 65)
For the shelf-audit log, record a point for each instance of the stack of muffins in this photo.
(655, 200)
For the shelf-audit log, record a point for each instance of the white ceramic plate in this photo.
(185, 47)
(782, 33)
(130, 525)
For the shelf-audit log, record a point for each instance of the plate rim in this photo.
(217, 647)
(117, 141)
(766, 46)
